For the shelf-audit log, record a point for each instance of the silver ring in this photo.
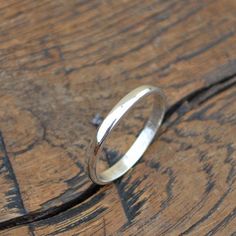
(141, 143)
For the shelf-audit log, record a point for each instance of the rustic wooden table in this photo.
(62, 62)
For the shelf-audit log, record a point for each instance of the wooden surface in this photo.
(62, 62)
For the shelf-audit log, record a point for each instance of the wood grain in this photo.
(184, 185)
(62, 62)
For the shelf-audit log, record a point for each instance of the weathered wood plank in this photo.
(10, 199)
(184, 185)
(62, 62)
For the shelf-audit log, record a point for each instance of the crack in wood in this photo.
(195, 99)
(37, 216)
(180, 108)
(7, 163)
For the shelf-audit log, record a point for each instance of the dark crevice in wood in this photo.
(197, 98)
(74, 212)
(37, 216)
(130, 197)
(7, 163)
(112, 157)
(180, 108)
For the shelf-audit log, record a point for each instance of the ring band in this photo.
(140, 144)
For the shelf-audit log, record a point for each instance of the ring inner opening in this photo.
(134, 133)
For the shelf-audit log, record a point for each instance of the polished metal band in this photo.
(141, 143)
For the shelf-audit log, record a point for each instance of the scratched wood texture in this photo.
(62, 62)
